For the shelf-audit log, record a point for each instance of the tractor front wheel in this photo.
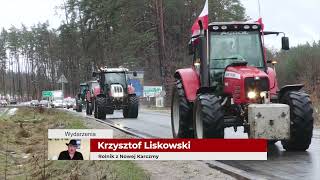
(208, 119)
(181, 113)
(100, 108)
(132, 110)
(301, 126)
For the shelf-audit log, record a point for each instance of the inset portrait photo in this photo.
(68, 149)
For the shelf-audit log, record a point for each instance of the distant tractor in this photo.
(115, 93)
(80, 98)
(231, 85)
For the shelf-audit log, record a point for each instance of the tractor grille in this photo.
(117, 90)
(259, 85)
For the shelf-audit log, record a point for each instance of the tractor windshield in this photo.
(115, 78)
(228, 47)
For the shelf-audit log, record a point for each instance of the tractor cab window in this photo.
(83, 88)
(228, 47)
(115, 78)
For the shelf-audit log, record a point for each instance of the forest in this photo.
(144, 35)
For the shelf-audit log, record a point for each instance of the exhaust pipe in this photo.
(204, 72)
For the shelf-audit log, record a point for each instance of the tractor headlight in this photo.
(252, 95)
(263, 94)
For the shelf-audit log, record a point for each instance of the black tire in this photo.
(132, 110)
(181, 113)
(100, 108)
(125, 112)
(80, 108)
(208, 111)
(95, 109)
(109, 109)
(88, 108)
(301, 126)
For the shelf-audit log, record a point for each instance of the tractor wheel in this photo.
(79, 108)
(301, 126)
(109, 109)
(89, 108)
(125, 112)
(100, 108)
(208, 117)
(181, 113)
(132, 110)
(95, 109)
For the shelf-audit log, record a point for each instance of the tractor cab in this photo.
(234, 50)
(83, 89)
(113, 81)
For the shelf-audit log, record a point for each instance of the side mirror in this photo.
(94, 74)
(285, 43)
(135, 73)
(191, 48)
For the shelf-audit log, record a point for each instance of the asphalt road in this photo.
(280, 164)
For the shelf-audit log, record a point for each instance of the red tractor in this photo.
(114, 93)
(231, 85)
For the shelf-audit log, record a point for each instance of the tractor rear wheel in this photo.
(181, 113)
(79, 108)
(208, 120)
(132, 110)
(89, 108)
(100, 108)
(301, 126)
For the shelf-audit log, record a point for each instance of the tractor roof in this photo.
(234, 26)
(120, 69)
(233, 23)
(92, 81)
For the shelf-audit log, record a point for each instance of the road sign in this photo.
(47, 94)
(62, 79)
(152, 91)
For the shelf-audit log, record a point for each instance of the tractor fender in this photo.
(96, 91)
(101, 95)
(293, 87)
(131, 90)
(190, 81)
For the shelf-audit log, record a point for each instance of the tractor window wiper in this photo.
(234, 58)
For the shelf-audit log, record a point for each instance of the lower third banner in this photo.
(178, 149)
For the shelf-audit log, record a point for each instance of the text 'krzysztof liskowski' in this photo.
(144, 145)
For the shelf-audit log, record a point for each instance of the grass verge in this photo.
(23, 150)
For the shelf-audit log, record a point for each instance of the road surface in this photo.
(280, 164)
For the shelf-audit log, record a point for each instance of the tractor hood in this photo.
(243, 72)
(241, 79)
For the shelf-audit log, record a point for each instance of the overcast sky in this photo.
(299, 19)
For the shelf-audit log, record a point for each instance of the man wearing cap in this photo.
(71, 153)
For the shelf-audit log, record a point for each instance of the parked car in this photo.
(13, 101)
(34, 103)
(3, 102)
(57, 104)
(44, 103)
